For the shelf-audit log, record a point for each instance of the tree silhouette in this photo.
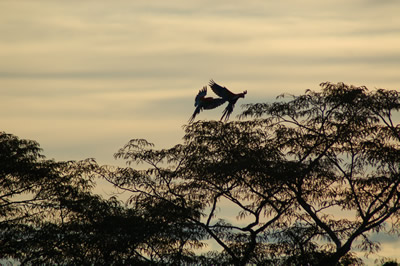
(33, 196)
(304, 180)
(49, 215)
(346, 145)
(311, 177)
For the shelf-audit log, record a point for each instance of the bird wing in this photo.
(202, 93)
(221, 91)
(211, 103)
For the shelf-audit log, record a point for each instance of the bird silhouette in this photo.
(227, 95)
(202, 102)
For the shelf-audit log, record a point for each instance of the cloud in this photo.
(84, 77)
(134, 60)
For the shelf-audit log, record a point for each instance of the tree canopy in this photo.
(309, 178)
(312, 176)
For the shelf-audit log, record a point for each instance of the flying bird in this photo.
(227, 95)
(202, 102)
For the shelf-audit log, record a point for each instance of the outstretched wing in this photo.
(211, 103)
(221, 91)
(202, 93)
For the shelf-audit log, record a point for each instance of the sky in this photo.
(84, 77)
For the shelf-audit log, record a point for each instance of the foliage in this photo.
(288, 171)
(31, 186)
(304, 180)
(49, 215)
(33, 190)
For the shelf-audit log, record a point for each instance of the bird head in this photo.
(241, 95)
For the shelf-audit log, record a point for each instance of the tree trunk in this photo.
(333, 259)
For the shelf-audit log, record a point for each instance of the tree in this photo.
(33, 190)
(347, 145)
(290, 169)
(309, 178)
(102, 232)
(49, 215)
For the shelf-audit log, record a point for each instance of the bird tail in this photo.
(227, 112)
(196, 112)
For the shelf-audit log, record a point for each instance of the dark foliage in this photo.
(302, 181)
(50, 216)
(287, 172)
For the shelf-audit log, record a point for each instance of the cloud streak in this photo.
(101, 59)
(84, 77)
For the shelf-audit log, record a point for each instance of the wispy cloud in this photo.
(146, 61)
(84, 77)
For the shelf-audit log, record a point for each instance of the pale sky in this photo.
(84, 77)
